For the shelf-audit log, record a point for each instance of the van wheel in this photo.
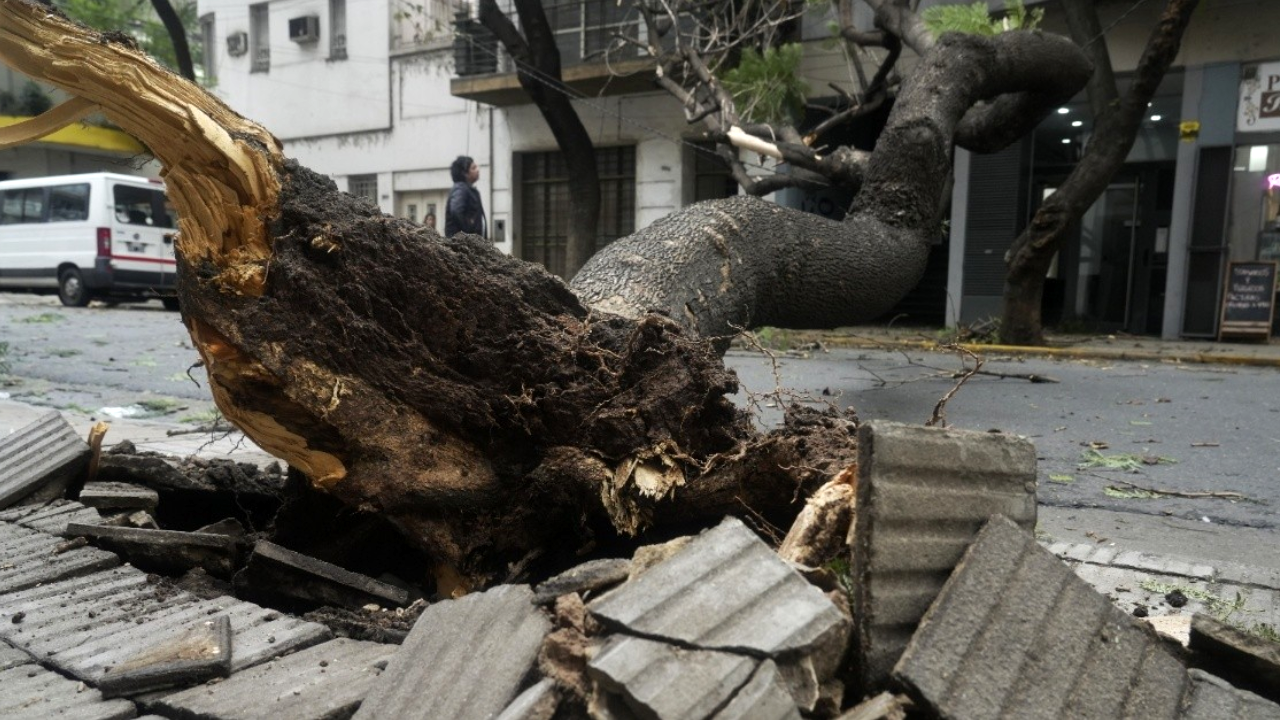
(170, 303)
(71, 289)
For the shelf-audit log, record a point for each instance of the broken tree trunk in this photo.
(471, 398)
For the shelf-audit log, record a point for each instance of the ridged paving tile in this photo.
(45, 451)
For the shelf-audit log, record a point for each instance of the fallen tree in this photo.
(486, 409)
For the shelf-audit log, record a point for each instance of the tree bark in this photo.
(472, 399)
(1114, 134)
(538, 69)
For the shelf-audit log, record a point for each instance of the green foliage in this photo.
(1221, 608)
(138, 21)
(766, 86)
(1127, 462)
(42, 319)
(976, 20)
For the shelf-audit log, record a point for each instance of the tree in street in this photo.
(487, 410)
(166, 40)
(532, 46)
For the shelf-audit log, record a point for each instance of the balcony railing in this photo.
(261, 60)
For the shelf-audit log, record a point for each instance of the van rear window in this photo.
(142, 206)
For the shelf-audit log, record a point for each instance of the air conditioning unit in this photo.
(304, 29)
(237, 44)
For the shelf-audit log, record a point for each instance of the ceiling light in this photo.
(1077, 123)
(1157, 118)
(1063, 111)
(1066, 141)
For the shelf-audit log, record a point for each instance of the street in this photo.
(1204, 431)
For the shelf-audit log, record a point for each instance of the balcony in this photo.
(584, 28)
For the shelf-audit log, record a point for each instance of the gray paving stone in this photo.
(538, 702)
(726, 589)
(200, 654)
(464, 658)
(167, 551)
(119, 496)
(1247, 661)
(277, 571)
(324, 681)
(764, 697)
(1015, 633)
(11, 656)
(53, 516)
(1211, 698)
(923, 493)
(591, 575)
(659, 680)
(29, 558)
(41, 456)
(29, 692)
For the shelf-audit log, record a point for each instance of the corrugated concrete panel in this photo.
(29, 692)
(923, 493)
(325, 681)
(658, 680)
(52, 517)
(1015, 633)
(539, 701)
(86, 625)
(11, 656)
(726, 589)
(45, 452)
(764, 697)
(29, 558)
(1211, 698)
(119, 496)
(464, 658)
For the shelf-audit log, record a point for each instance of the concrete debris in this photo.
(40, 460)
(660, 680)
(52, 517)
(29, 558)
(168, 551)
(885, 706)
(1016, 633)
(202, 653)
(1211, 698)
(465, 658)
(1246, 661)
(30, 692)
(764, 697)
(923, 493)
(119, 496)
(539, 702)
(586, 577)
(274, 571)
(321, 682)
(820, 532)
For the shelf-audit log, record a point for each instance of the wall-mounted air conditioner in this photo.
(304, 29)
(237, 44)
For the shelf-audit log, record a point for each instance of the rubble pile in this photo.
(910, 586)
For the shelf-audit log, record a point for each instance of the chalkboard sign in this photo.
(1248, 300)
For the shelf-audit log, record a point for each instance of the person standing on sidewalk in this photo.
(464, 212)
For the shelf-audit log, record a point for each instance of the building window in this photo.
(712, 178)
(337, 29)
(259, 38)
(585, 29)
(365, 186)
(209, 49)
(544, 215)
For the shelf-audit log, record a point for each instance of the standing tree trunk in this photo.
(177, 36)
(1116, 127)
(472, 399)
(538, 68)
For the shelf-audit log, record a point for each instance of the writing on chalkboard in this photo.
(1248, 300)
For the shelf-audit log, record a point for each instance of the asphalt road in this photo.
(1188, 428)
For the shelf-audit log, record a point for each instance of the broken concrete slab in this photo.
(538, 702)
(39, 461)
(660, 680)
(31, 692)
(53, 516)
(168, 551)
(275, 571)
(588, 576)
(30, 557)
(465, 658)
(202, 653)
(1246, 661)
(923, 493)
(11, 656)
(1016, 633)
(1211, 698)
(727, 590)
(764, 697)
(329, 680)
(119, 496)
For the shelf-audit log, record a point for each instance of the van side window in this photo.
(22, 206)
(68, 202)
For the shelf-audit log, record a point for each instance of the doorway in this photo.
(423, 206)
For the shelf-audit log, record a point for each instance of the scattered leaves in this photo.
(1062, 479)
(1129, 493)
(1129, 462)
(1217, 606)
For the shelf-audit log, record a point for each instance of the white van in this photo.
(98, 235)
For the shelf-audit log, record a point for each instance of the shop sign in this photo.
(1260, 100)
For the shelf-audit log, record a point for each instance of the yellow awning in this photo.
(86, 136)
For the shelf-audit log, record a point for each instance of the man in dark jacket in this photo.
(464, 213)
